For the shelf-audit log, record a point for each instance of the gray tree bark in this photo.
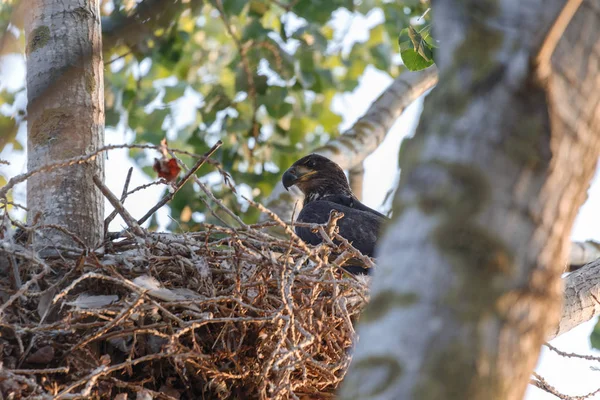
(581, 300)
(468, 284)
(65, 109)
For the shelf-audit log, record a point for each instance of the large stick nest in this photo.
(217, 314)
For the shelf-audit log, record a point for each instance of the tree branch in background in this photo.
(583, 253)
(356, 176)
(581, 300)
(354, 145)
(148, 16)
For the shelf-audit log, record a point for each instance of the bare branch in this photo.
(356, 176)
(182, 182)
(583, 253)
(131, 222)
(581, 300)
(541, 383)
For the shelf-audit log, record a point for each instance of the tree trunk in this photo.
(468, 284)
(65, 109)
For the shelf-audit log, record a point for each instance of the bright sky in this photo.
(572, 377)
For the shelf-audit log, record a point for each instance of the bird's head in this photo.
(316, 176)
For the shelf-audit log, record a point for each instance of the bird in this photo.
(325, 188)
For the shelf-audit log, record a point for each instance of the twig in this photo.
(122, 315)
(76, 160)
(59, 370)
(181, 182)
(571, 355)
(124, 195)
(541, 383)
(146, 186)
(34, 279)
(129, 220)
(104, 370)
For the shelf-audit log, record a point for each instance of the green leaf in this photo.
(111, 117)
(318, 11)
(595, 336)
(242, 83)
(254, 30)
(416, 52)
(233, 7)
(413, 61)
(382, 55)
(274, 101)
(258, 8)
(8, 127)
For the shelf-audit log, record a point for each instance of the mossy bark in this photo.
(65, 118)
(490, 186)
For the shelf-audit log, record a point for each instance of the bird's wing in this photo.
(360, 206)
(352, 202)
(361, 228)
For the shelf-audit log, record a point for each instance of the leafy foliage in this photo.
(260, 75)
(595, 336)
(416, 48)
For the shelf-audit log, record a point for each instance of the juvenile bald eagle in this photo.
(326, 188)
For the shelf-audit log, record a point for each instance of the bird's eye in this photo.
(310, 164)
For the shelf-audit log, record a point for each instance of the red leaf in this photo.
(167, 169)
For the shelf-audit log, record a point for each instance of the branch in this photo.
(583, 253)
(354, 145)
(542, 384)
(581, 298)
(148, 16)
(356, 176)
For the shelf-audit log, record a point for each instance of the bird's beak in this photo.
(294, 175)
(289, 178)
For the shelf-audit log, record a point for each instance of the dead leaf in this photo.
(166, 169)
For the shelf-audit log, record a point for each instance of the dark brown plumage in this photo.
(326, 188)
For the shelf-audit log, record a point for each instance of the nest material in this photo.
(223, 313)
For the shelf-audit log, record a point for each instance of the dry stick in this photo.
(220, 204)
(71, 161)
(122, 315)
(34, 279)
(161, 181)
(124, 194)
(138, 388)
(285, 226)
(541, 383)
(334, 217)
(59, 370)
(357, 253)
(571, 355)
(182, 182)
(62, 229)
(210, 195)
(104, 370)
(79, 160)
(129, 220)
